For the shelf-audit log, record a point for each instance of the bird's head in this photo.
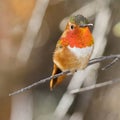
(77, 33)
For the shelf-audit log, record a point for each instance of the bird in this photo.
(73, 49)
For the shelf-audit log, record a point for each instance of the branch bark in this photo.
(91, 87)
(92, 61)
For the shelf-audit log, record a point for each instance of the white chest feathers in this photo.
(81, 52)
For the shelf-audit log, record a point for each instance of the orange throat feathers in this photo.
(79, 37)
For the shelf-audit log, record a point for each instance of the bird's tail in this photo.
(58, 80)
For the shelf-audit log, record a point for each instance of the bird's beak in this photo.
(87, 25)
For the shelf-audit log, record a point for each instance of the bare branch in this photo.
(92, 61)
(110, 64)
(39, 82)
(103, 58)
(91, 87)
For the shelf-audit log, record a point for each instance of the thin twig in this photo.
(110, 64)
(91, 87)
(92, 61)
(103, 58)
(39, 82)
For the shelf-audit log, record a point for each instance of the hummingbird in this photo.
(73, 49)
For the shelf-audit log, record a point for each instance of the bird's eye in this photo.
(72, 27)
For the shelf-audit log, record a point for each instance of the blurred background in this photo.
(29, 30)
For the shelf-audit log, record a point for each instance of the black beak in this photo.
(87, 25)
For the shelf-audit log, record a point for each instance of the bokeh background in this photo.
(29, 30)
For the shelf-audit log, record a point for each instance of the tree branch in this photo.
(110, 64)
(91, 87)
(92, 61)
